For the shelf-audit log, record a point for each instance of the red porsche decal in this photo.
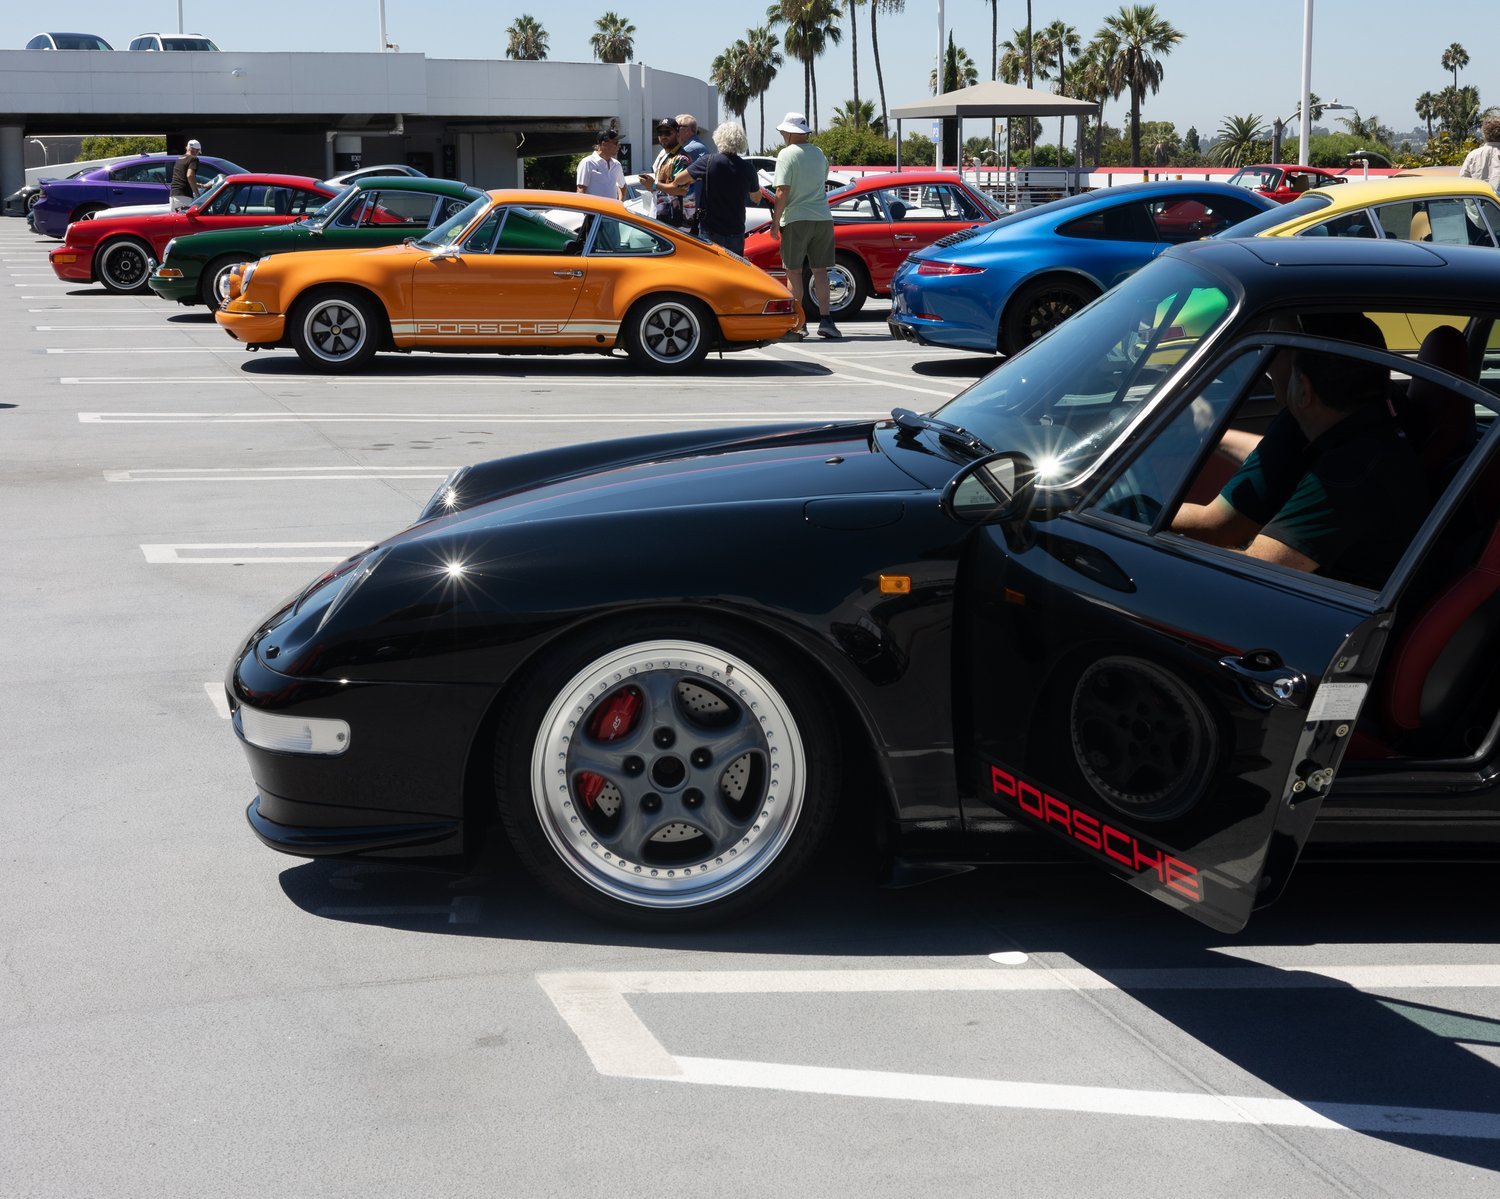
(1098, 835)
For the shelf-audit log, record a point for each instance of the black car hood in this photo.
(685, 470)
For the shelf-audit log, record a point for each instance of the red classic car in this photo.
(1284, 183)
(878, 221)
(122, 251)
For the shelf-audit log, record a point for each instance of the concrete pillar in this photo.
(12, 159)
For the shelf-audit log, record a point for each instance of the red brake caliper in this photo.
(612, 719)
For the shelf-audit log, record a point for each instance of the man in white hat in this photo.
(185, 186)
(802, 219)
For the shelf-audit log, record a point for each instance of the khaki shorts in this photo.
(807, 240)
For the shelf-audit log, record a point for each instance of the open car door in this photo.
(1173, 712)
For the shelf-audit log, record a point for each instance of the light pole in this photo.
(179, 17)
(1307, 15)
(1280, 124)
(382, 26)
(43, 145)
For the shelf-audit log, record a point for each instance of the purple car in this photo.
(141, 180)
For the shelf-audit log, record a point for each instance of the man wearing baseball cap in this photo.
(662, 178)
(185, 186)
(802, 219)
(600, 174)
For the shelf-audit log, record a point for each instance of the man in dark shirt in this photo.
(185, 186)
(728, 182)
(1333, 487)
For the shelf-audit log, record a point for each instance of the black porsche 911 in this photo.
(656, 659)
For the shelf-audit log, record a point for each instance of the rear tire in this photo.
(86, 210)
(668, 333)
(1040, 307)
(667, 774)
(848, 286)
(335, 331)
(124, 264)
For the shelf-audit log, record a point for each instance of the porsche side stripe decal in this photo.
(441, 327)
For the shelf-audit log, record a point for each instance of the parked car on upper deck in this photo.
(1003, 286)
(375, 212)
(172, 41)
(142, 180)
(1284, 183)
(68, 41)
(122, 251)
(384, 171)
(877, 222)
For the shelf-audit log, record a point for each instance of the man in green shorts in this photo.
(802, 219)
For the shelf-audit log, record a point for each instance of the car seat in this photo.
(898, 210)
(1438, 421)
(1439, 666)
(1421, 226)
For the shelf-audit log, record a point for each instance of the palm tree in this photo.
(1364, 128)
(1133, 42)
(958, 70)
(810, 26)
(1458, 110)
(1091, 82)
(1238, 139)
(1061, 40)
(994, 39)
(1455, 59)
(762, 61)
(849, 7)
(1019, 57)
(731, 76)
(855, 114)
(1427, 109)
(614, 39)
(528, 39)
(877, 6)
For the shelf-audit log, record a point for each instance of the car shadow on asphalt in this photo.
(1367, 1061)
(191, 318)
(957, 368)
(429, 366)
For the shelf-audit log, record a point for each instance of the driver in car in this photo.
(1333, 487)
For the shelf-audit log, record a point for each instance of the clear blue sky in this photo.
(1234, 59)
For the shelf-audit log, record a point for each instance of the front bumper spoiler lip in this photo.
(334, 842)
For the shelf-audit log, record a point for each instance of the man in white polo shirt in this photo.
(600, 174)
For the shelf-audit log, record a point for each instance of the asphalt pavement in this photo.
(185, 1013)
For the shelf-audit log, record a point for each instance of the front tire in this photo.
(213, 284)
(667, 774)
(668, 333)
(335, 331)
(1040, 307)
(124, 265)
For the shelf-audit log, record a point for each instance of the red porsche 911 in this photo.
(878, 221)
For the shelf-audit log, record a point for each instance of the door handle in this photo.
(1268, 678)
(905, 236)
(568, 274)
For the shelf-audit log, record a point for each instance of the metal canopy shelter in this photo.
(995, 100)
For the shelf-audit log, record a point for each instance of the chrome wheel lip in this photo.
(351, 318)
(840, 288)
(148, 264)
(658, 330)
(726, 869)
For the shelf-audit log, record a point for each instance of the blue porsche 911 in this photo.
(1001, 286)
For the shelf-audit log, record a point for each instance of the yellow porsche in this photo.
(514, 272)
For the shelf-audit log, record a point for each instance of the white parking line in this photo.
(215, 691)
(188, 553)
(274, 474)
(619, 1044)
(153, 350)
(147, 324)
(458, 418)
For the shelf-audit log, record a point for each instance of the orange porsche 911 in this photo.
(514, 272)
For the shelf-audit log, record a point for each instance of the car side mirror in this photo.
(449, 251)
(994, 490)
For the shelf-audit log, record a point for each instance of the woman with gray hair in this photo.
(1484, 163)
(727, 184)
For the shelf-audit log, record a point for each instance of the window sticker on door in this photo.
(1337, 701)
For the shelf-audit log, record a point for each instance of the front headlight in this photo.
(167, 253)
(247, 274)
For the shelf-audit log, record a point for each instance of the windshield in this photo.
(330, 206)
(1275, 217)
(1255, 178)
(445, 233)
(1067, 398)
(214, 188)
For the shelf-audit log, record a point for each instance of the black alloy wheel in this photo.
(124, 265)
